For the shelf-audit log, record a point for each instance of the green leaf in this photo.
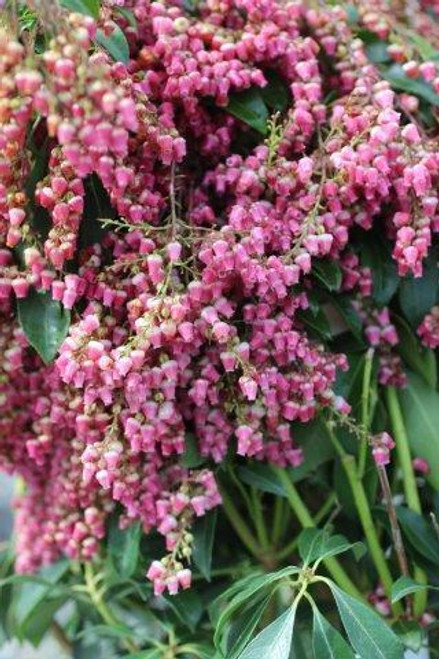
(327, 642)
(420, 406)
(317, 449)
(244, 589)
(315, 544)
(115, 44)
(328, 273)
(128, 15)
(275, 93)
(343, 305)
(45, 323)
(316, 321)
(405, 586)
(249, 106)
(376, 255)
(419, 359)
(191, 457)
(369, 635)
(426, 50)
(275, 640)
(243, 627)
(124, 547)
(411, 634)
(377, 52)
(87, 7)
(419, 533)
(204, 535)
(400, 82)
(34, 606)
(188, 607)
(418, 295)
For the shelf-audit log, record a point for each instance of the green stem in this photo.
(317, 518)
(303, 515)
(365, 515)
(409, 482)
(237, 521)
(101, 606)
(278, 520)
(258, 518)
(365, 408)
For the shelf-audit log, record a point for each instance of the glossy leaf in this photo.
(249, 106)
(275, 640)
(316, 321)
(115, 44)
(315, 544)
(317, 449)
(245, 589)
(191, 457)
(188, 607)
(328, 273)
(369, 635)
(420, 406)
(243, 627)
(204, 536)
(45, 323)
(87, 7)
(36, 603)
(327, 642)
(124, 545)
(419, 533)
(343, 305)
(376, 255)
(405, 586)
(275, 93)
(400, 82)
(418, 295)
(420, 359)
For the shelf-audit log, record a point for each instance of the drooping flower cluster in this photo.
(188, 276)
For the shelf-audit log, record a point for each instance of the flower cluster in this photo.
(190, 279)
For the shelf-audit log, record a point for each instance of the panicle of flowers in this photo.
(187, 312)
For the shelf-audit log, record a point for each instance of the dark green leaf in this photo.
(243, 627)
(45, 323)
(405, 586)
(275, 93)
(416, 86)
(128, 15)
(124, 546)
(317, 449)
(315, 544)
(35, 603)
(420, 405)
(419, 359)
(328, 273)
(411, 634)
(245, 589)
(115, 43)
(204, 535)
(419, 533)
(87, 7)
(191, 457)
(188, 607)
(376, 255)
(377, 52)
(424, 47)
(316, 321)
(369, 635)
(343, 305)
(249, 106)
(328, 643)
(275, 640)
(418, 295)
